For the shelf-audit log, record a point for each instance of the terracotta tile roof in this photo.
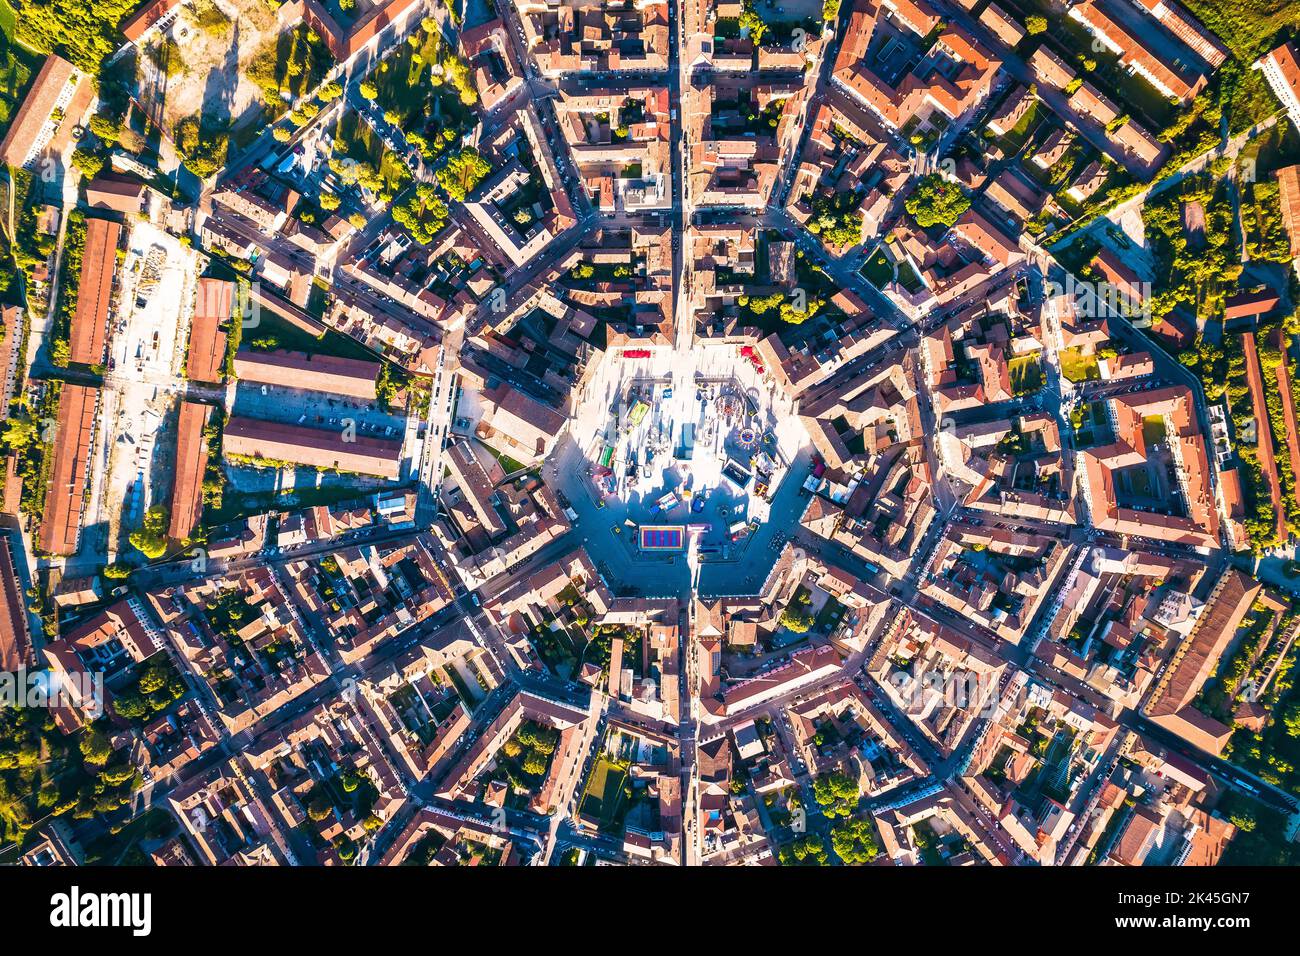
(314, 447)
(35, 111)
(95, 291)
(317, 373)
(191, 462)
(65, 498)
(213, 305)
(139, 22)
(15, 641)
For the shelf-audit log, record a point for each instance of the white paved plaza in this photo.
(711, 389)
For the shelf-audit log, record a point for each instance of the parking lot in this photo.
(325, 411)
(315, 410)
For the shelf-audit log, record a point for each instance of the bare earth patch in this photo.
(212, 77)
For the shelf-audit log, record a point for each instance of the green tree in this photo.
(462, 173)
(935, 201)
(155, 678)
(109, 130)
(151, 538)
(130, 706)
(836, 793)
(796, 619)
(805, 851)
(87, 163)
(82, 31)
(319, 807)
(752, 22)
(20, 432)
(95, 746)
(854, 841)
(534, 763)
(1243, 820)
(1292, 721)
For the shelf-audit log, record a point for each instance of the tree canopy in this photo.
(836, 793)
(84, 32)
(151, 538)
(462, 173)
(936, 202)
(854, 841)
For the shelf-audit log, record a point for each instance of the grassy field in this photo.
(417, 88)
(1026, 373)
(509, 464)
(603, 797)
(1248, 28)
(1078, 367)
(273, 332)
(1153, 429)
(878, 270)
(240, 504)
(17, 67)
(354, 139)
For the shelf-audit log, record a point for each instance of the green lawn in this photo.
(507, 463)
(17, 67)
(237, 504)
(355, 140)
(417, 88)
(272, 333)
(829, 617)
(1014, 139)
(1026, 373)
(878, 270)
(908, 278)
(1153, 429)
(1078, 367)
(603, 797)
(1247, 27)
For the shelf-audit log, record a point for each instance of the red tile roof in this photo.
(319, 373)
(65, 497)
(15, 641)
(35, 111)
(95, 291)
(213, 305)
(191, 462)
(314, 447)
